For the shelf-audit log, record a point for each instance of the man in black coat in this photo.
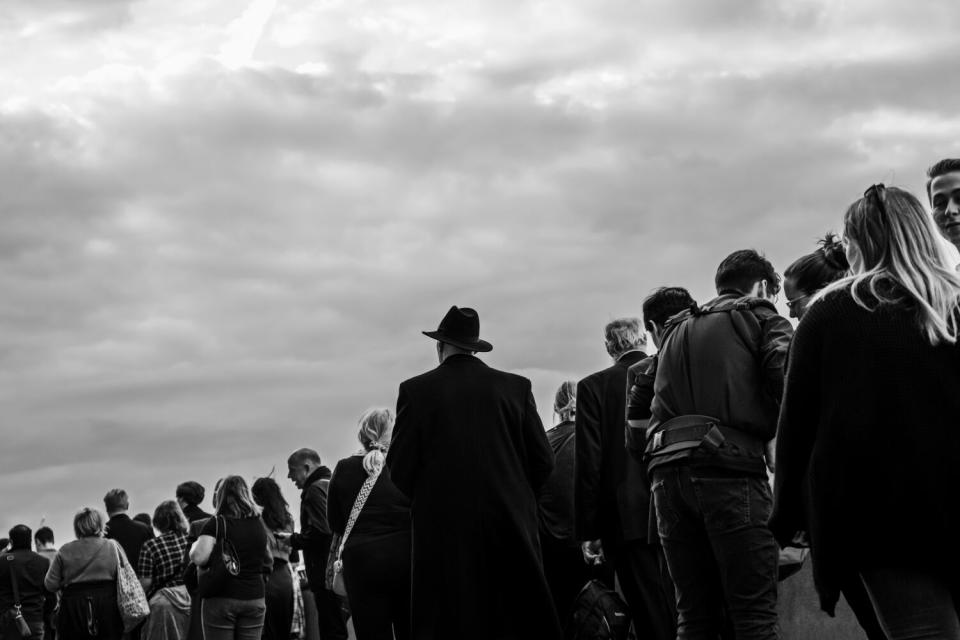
(470, 452)
(128, 533)
(189, 496)
(21, 583)
(612, 495)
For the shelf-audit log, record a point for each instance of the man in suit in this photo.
(127, 532)
(470, 452)
(612, 494)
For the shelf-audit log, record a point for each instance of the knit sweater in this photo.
(85, 560)
(868, 453)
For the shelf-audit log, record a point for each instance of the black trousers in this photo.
(279, 598)
(331, 617)
(566, 573)
(377, 577)
(647, 587)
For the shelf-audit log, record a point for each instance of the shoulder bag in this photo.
(22, 627)
(223, 564)
(339, 587)
(131, 600)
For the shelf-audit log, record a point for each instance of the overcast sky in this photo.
(223, 225)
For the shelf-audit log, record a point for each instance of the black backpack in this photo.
(599, 613)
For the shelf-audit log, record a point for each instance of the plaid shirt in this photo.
(161, 560)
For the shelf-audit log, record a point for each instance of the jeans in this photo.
(721, 555)
(232, 619)
(912, 604)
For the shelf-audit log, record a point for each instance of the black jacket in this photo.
(470, 452)
(314, 537)
(130, 534)
(612, 496)
(725, 361)
(30, 569)
(194, 513)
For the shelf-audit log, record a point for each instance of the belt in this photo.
(686, 433)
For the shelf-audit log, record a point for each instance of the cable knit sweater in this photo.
(868, 455)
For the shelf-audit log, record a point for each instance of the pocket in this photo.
(724, 502)
(667, 517)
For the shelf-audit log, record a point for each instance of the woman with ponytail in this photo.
(811, 273)
(868, 440)
(376, 553)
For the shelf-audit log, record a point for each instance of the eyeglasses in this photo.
(877, 191)
(792, 303)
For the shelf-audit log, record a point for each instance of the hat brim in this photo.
(479, 345)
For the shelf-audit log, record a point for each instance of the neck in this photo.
(118, 512)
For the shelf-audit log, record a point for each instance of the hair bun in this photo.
(833, 252)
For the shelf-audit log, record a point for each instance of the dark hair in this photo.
(276, 511)
(816, 270)
(741, 269)
(44, 535)
(945, 166)
(143, 518)
(116, 499)
(3, 543)
(665, 302)
(191, 492)
(20, 537)
(168, 517)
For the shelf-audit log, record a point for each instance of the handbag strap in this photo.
(13, 582)
(361, 500)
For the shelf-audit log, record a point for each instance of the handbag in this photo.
(131, 600)
(339, 587)
(222, 565)
(16, 612)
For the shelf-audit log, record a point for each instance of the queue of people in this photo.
(461, 517)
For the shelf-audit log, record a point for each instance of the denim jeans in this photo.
(721, 555)
(912, 604)
(232, 619)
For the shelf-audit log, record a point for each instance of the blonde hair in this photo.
(623, 335)
(233, 499)
(899, 245)
(88, 523)
(565, 400)
(376, 427)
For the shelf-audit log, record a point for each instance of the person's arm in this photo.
(640, 379)
(201, 549)
(797, 428)
(335, 516)
(403, 457)
(776, 332)
(145, 569)
(54, 578)
(589, 453)
(314, 531)
(540, 459)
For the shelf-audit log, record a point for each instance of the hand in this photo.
(770, 455)
(592, 552)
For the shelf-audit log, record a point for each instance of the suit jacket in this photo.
(470, 452)
(130, 534)
(611, 494)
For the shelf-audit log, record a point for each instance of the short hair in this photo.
(945, 166)
(303, 456)
(20, 537)
(622, 335)
(741, 269)
(191, 492)
(234, 499)
(44, 535)
(144, 519)
(816, 270)
(88, 523)
(116, 499)
(565, 400)
(664, 303)
(168, 518)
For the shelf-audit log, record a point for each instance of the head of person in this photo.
(812, 272)
(374, 430)
(893, 251)
(274, 507)
(661, 305)
(190, 494)
(565, 401)
(20, 537)
(301, 464)
(116, 501)
(458, 333)
(623, 335)
(144, 519)
(168, 518)
(43, 538)
(747, 273)
(234, 499)
(943, 190)
(89, 523)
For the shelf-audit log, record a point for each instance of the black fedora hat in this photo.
(461, 328)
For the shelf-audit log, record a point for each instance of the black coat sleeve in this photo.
(589, 441)
(336, 518)
(640, 378)
(540, 460)
(403, 458)
(314, 531)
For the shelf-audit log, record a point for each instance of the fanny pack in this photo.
(680, 437)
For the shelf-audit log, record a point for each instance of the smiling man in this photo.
(943, 189)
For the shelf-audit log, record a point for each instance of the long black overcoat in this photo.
(470, 452)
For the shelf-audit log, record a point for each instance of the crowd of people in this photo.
(462, 517)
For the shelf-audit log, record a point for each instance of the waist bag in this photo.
(680, 437)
